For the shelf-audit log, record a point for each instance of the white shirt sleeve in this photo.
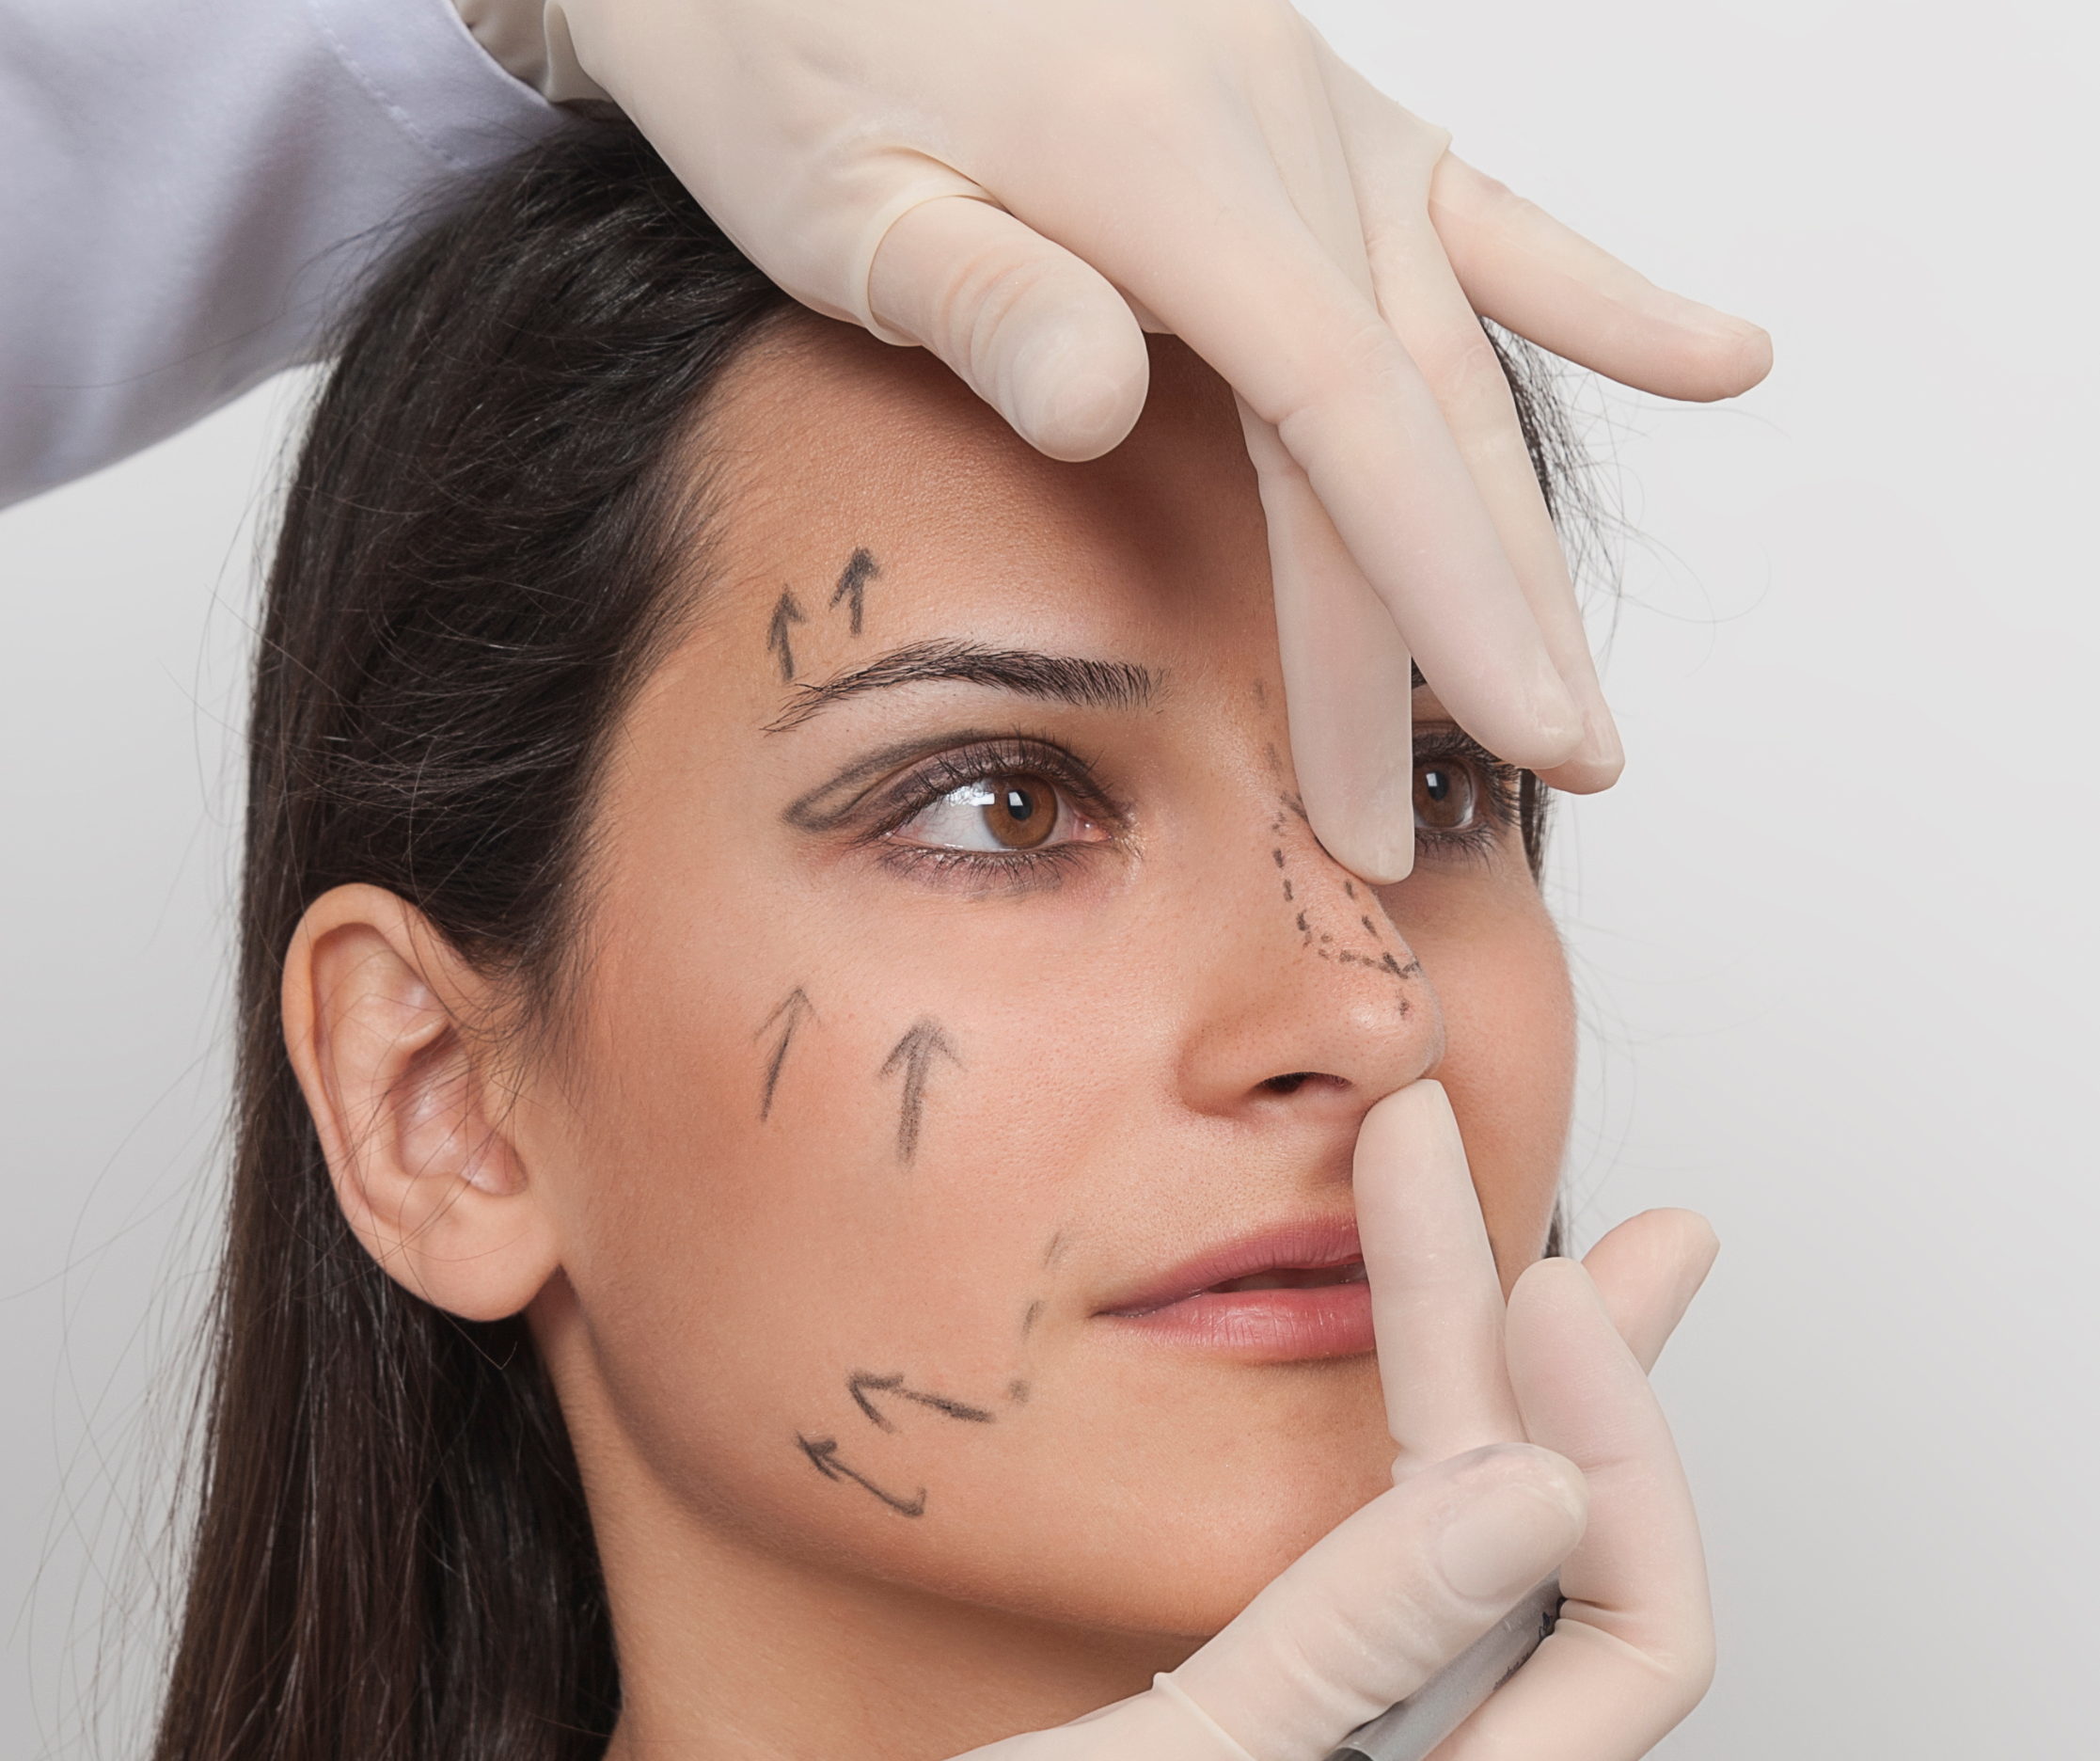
(190, 189)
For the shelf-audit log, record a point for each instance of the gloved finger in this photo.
(1523, 268)
(1347, 675)
(1382, 1601)
(1355, 414)
(1290, 330)
(1647, 1270)
(1436, 1300)
(1392, 157)
(1040, 336)
(1633, 1648)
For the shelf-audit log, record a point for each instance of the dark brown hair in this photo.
(391, 1558)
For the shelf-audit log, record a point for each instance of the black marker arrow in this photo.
(790, 1015)
(859, 570)
(913, 1054)
(824, 1457)
(861, 1381)
(786, 613)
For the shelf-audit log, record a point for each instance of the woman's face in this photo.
(950, 1149)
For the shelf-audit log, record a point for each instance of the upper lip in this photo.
(1308, 1244)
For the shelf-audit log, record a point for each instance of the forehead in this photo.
(827, 442)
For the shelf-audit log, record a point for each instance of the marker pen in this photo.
(1410, 1729)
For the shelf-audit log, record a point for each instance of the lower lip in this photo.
(1263, 1325)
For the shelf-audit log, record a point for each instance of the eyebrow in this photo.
(1062, 678)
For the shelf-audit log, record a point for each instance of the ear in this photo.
(379, 1012)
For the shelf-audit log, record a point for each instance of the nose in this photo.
(1304, 993)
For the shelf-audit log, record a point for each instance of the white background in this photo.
(1835, 931)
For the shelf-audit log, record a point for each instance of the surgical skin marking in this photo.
(860, 568)
(824, 1457)
(790, 1015)
(1321, 942)
(784, 613)
(861, 1381)
(914, 1053)
(1028, 1320)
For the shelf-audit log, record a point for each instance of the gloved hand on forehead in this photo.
(1020, 186)
(1529, 1441)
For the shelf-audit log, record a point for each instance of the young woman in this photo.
(799, 1183)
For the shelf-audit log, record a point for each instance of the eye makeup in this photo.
(963, 807)
(1015, 812)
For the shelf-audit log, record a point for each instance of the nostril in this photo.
(1288, 1084)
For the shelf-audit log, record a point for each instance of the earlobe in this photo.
(380, 1019)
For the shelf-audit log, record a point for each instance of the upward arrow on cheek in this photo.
(914, 1054)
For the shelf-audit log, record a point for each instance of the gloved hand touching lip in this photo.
(1018, 187)
(1529, 1439)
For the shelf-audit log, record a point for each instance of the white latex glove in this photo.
(1015, 185)
(1529, 1439)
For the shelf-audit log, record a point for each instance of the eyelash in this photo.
(1501, 791)
(944, 772)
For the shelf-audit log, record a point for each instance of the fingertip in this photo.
(1699, 1241)
(1074, 391)
(1408, 1114)
(1518, 1511)
(1037, 332)
(1557, 1283)
(1694, 1248)
(1724, 359)
(1753, 355)
(1376, 844)
(1598, 763)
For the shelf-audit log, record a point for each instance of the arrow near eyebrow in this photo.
(914, 1053)
(784, 613)
(824, 1457)
(861, 1381)
(861, 569)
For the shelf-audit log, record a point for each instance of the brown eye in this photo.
(1447, 795)
(1020, 811)
(1007, 810)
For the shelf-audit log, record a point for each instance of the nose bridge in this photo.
(1308, 976)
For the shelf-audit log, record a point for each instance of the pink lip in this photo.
(1286, 1325)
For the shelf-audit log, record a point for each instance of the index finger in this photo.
(1436, 1300)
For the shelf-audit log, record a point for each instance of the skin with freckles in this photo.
(961, 964)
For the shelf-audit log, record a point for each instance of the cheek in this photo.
(807, 1225)
(1501, 975)
(763, 1253)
